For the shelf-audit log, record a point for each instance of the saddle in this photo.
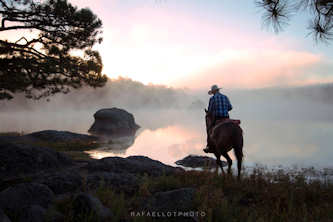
(222, 121)
(212, 130)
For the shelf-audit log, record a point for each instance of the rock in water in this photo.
(199, 161)
(113, 122)
(138, 165)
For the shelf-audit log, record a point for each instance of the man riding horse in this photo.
(223, 134)
(219, 107)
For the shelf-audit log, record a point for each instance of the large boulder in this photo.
(17, 159)
(174, 205)
(15, 198)
(133, 164)
(194, 161)
(113, 122)
(3, 216)
(170, 201)
(86, 205)
(62, 182)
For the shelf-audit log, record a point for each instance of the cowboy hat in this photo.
(212, 89)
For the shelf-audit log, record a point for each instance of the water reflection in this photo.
(272, 143)
(116, 145)
(165, 144)
(276, 133)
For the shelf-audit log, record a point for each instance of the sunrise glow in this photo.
(195, 44)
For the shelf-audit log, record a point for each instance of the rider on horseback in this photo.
(219, 106)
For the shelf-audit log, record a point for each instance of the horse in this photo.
(223, 137)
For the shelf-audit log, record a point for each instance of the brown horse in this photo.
(223, 137)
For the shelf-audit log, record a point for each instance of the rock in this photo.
(33, 213)
(53, 215)
(85, 204)
(123, 182)
(3, 216)
(14, 198)
(49, 136)
(199, 161)
(60, 136)
(16, 159)
(62, 182)
(113, 122)
(170, 201)
(132, 164)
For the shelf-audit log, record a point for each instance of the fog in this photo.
(121, 92)
(287, 126)
(153, 106)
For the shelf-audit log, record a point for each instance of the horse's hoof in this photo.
(207, 150)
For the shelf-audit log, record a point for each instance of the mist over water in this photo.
(285, 127)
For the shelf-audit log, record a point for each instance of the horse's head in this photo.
(209, 119)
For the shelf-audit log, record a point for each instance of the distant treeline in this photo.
(130, 94)
(121, 92)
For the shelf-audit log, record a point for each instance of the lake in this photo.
(267, 142)
(276, 132)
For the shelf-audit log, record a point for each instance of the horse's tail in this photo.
(238, 150)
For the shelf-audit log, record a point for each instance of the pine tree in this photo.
(47, 63)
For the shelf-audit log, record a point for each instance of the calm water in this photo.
(279, 133)
(268, 142)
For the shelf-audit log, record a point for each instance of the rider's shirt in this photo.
(219, 105)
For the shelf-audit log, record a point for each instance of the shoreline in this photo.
(44, 183)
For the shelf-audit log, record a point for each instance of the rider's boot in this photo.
(207, 149)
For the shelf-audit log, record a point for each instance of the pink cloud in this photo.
(255, 69)
(151, 43)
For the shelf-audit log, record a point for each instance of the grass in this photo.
(11, 133)
(258, 196)
(74, 148)
(66, 207)
(114, 201)
(110, 199)
(77, 155)
(74, 145)
(64, 147)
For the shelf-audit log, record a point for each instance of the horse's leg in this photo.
(219, 163)
(229, 161)
(239, 153)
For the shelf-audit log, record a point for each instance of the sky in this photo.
(196, 43)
